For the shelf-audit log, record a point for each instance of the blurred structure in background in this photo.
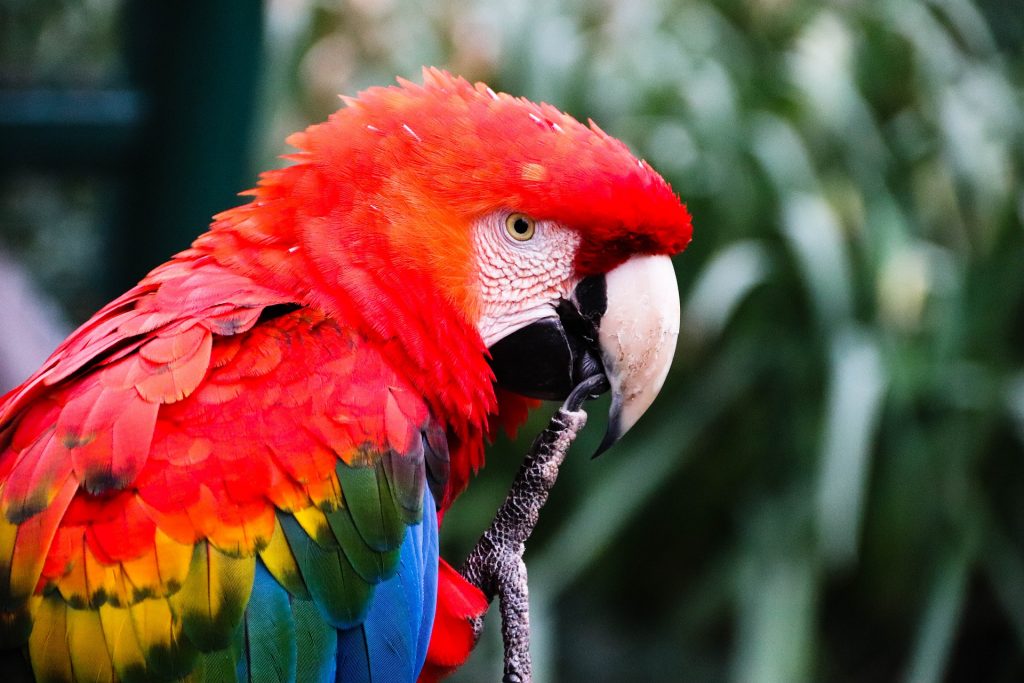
(830, 487)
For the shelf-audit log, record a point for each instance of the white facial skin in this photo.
(521, 281)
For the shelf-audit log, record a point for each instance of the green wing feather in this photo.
(269, 654)
(370, 564)
(367, 495)
(213, 598)
(341, 594)
(316, 643)
(277, 557)
(221, 666)
(407, 478)
(216, 667)
(168, 651)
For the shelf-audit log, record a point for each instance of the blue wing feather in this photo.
(316, 644)
(270, 645)
(428, 554)
(286, 638)
(391, 644)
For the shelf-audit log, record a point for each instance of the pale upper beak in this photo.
(637, 335)
(622, 325)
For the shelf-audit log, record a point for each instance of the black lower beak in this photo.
(549, 358)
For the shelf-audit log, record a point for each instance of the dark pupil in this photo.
(521, 226)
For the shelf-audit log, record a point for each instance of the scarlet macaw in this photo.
(232, 471)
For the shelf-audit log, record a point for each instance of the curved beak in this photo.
(622, 325)
(638, 334)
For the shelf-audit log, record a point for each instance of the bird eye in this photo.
(520, 227)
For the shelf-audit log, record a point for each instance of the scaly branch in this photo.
(495, 564)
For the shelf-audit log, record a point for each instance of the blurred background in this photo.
(831, 486)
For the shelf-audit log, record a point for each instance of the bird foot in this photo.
(495, 564)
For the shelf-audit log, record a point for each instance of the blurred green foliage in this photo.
(829, 487)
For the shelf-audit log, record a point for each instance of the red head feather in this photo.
(471, 151)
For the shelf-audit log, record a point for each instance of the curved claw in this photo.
(588, 389)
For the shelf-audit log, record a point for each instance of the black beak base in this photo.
(548, 358)
(559, 358)
(542, 360)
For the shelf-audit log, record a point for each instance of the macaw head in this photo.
(547, 237)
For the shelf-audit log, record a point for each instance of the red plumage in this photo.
(332, 312)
